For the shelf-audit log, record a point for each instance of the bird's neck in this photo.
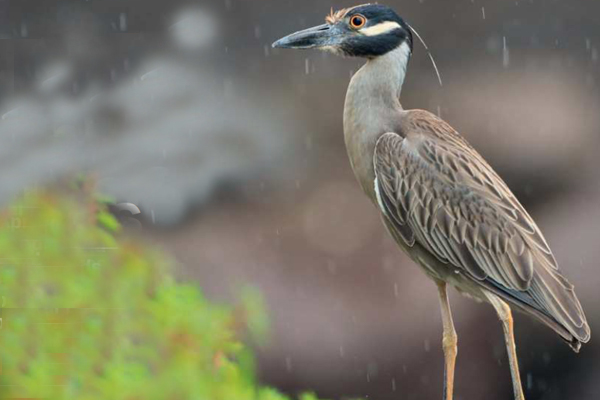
(373, 97)
(371, 108)
(380, 80)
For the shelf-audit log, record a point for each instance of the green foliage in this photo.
(90, 315)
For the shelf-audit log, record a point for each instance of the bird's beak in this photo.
(318, 36)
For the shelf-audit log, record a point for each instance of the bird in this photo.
(442, 203)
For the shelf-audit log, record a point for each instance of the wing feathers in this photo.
(438, 191)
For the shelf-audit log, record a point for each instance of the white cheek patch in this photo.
(380, 29)
(332, 49)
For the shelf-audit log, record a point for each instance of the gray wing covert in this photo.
(436, 190)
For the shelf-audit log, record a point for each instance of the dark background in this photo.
(234, 153)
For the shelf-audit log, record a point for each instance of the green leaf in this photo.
(89, 314)
(108, 221)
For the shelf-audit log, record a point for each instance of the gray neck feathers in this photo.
(372, 107)
(375, 89)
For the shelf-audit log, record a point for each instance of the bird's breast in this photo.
(369, 112)
(360, 146)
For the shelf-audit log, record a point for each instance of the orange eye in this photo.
(357, 21)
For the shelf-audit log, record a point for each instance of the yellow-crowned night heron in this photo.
(440, 200)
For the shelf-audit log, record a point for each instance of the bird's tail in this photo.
(552, 300)
(557, 298)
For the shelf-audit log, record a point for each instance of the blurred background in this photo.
(234, 154)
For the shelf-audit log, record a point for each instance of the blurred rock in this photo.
(168, 137)
(193, 29)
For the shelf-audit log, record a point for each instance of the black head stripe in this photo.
(376, 13)
(373, 46)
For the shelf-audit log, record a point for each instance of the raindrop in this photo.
(342, 351)
(10, 113)
(393, 385)
(483, 12)
(288, 364)
(266, 50)
(505, 53)
(123, 22)
(153, 216)
(306, 66)
(257, 32)
(396, 290)
(149, 74)
(529, 381)
(427, 345)
(24, 30)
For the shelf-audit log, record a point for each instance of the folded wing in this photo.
(436, 190)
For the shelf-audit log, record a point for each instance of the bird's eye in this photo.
(357, 21)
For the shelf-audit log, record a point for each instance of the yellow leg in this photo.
(503, 311)
(449, 341)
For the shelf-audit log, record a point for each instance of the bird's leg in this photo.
(505, 315)
(449, 341)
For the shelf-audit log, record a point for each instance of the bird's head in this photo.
(369, 30)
